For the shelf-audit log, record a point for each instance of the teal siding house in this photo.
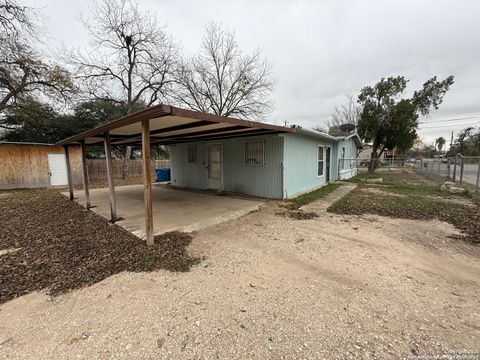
(277, 166)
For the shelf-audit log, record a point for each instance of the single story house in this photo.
(277, 166)
(220, 153)
(30, 165)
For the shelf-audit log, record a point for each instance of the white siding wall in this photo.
(258, 180)
(349, 168)
(300, 163)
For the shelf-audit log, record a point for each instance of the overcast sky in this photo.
(322, 50)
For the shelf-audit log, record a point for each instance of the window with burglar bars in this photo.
(342, 160)
(255, 152)
(321, 160)
(192, 153)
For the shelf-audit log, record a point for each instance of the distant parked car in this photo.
(364, 162)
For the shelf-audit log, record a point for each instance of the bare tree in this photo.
(130, 61)
(24, 74)
(348, 113)
(14, 18)
(223, 80)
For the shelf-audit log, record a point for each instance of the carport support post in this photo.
(69, 172)
(111, 184)
(85, 174)
(147, 181)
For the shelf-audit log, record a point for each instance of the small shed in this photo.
(30, 165)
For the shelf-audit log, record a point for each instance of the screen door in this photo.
(214, 166)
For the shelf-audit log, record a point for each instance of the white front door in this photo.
(57, 168)
(214, 166)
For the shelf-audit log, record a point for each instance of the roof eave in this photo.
(315, 133)
(166, 110)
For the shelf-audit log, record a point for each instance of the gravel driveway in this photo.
(271, 287)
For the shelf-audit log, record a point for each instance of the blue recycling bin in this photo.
(163, 174)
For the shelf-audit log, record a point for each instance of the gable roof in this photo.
(355, 137)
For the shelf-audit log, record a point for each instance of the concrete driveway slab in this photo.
(173, 209)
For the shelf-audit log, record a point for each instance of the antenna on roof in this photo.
(346, 128)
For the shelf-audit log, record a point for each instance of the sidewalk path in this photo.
(322, 204)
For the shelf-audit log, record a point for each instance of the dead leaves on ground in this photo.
(62, 246)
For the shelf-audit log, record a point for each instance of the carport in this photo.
(161, 124)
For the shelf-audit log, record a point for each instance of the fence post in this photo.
(455, 169)
(461, 169)
(438, 173)
(478, 176)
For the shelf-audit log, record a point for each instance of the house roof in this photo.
(171, 125)
(329, 137)
(315, 133)
(355, 137)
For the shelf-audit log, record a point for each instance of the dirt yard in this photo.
(272, 287)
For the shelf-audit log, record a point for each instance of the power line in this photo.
(456, 119)
(437, 126)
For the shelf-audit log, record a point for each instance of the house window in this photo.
(192, 153)
(255, 152)
(342, 159)
(320, 160)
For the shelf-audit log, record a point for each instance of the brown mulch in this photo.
(62, 246)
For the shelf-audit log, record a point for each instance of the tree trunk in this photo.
(128, 155)
(373, 159)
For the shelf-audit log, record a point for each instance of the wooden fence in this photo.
(97, 169)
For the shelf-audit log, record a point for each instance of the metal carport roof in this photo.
(161, 124)
(170, 125)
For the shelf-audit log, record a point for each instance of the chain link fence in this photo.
(463, 170)
(384, 166)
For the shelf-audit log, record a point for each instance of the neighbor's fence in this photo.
(348, 168)
(386, 165)
(464, 170)
(97, 169)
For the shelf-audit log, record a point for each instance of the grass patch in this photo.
(416, 205)
(402, 188)
(401, 183)
(307, 198)
(402, 176)
(302, 215)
